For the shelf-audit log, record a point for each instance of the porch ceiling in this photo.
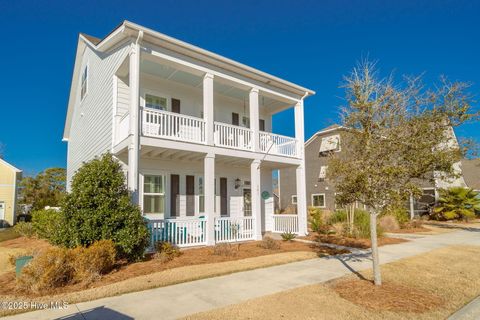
(167, 70)
(171, 154)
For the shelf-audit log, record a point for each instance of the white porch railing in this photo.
(122, 127)
(180, 232)
(285, 223)
(229, 229)
(170, 125)
(230, 136)
(278, 144)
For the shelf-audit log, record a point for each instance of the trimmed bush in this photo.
(25, 229)
(99, 207)
(165, 251)
(51, 269)
(90, 263)
(57, 267)
(288, 236)
(225, 249)
(269, 243)
(388, 223)
(48, 224)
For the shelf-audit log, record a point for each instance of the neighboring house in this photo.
(193, 131)
(471, 173)
(9, 180)
(321, 192)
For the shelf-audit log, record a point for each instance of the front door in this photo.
(247, 202)
(2, 214)
(223, 197)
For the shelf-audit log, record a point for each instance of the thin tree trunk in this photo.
(377, 277)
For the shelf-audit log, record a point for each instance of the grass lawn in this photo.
(428, 286)
(350, 242)
(7, 234)
(193, 264)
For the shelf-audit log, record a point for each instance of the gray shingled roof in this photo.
(471, 172)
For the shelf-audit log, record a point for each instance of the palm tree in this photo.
(457, 203)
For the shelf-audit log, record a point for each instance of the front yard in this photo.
(192, 264)
(428, 286)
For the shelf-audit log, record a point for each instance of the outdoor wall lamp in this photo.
(238, 183)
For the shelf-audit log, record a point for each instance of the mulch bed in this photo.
(387, 297)
(193, 256)
(351, 242)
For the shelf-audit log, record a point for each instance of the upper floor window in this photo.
(84, 83)
(155, 102)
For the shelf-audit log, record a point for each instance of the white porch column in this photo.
(300, 171)
(208, 113)
(209, 172)
(256, 197)
(254, 118)
(134, 132)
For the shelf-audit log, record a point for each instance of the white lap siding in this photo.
(91, 130)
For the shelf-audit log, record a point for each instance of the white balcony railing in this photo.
(169, 125)
(272, 143)
(230, 136)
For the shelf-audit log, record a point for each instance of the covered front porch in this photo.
(173, 195)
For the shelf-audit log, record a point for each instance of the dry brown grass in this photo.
(193, 264)
(351, 242)
(445, 275)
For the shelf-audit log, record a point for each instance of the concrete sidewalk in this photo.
(191, 297)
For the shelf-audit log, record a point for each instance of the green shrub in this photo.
(225, 249)
(315, 218)
(25, 229)
(48, 224)
(269, 243)
(361, 223)
(165, 251)
(99, 207)
(456, 203)
(338, 216)
(288, 236)
(400, 214)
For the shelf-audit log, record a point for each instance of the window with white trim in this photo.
(84, 83)
(318, 200)
(154, 194)
(155, 102)
(294, 199)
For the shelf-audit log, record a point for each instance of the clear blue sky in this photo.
(312, 43)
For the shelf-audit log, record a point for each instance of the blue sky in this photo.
(312, 43)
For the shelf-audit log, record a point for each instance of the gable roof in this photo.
(127, 29)
(471, 172)
(9, 165)
(331, 128)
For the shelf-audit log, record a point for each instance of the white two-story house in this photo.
(193, 131)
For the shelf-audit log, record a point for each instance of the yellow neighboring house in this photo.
(9, 178)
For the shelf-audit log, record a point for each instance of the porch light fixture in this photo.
(238, 183)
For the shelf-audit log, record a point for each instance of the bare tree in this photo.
(397, 135)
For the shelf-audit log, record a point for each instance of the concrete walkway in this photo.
(183, 299)
(470, 312)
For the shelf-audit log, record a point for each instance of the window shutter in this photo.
(261, 125)
(175, 105)
(235, 119)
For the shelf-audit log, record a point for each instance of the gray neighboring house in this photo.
(321, 192)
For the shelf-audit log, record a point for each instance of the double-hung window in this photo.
(318, 200)
(155, 102)
(84, 83)
(154, 194)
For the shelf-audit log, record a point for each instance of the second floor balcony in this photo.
(178, 127)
